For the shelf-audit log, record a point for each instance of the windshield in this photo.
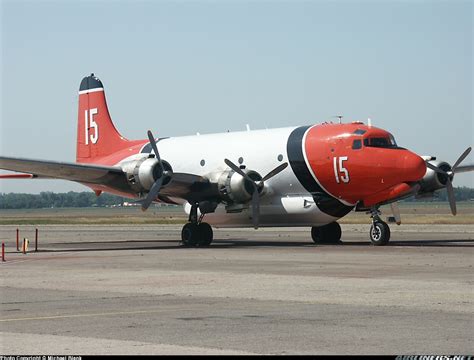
(382, 142)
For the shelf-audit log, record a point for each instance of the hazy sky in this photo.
(209, 66)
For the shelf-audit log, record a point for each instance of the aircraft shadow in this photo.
(217, 244)
(441, 243)
(419, 243)
(239, 243)
(414, 243)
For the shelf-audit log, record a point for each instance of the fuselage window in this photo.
(360, 132)
(357, 144)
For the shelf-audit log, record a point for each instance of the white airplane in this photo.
(295, 176)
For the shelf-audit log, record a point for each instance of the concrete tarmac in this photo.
(134, 290)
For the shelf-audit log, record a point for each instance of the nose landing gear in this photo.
(379, 230)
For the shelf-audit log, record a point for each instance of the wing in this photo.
(190, 187)
(109, 176)
(92, 174)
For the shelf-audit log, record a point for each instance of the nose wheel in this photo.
(379, 230)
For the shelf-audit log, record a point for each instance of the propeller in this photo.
(155, 188)
(449, 176)
(255, 186)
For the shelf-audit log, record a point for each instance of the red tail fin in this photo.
(97, 136)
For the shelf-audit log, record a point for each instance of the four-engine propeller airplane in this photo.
(296, 176)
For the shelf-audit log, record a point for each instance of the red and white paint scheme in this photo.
(296, 176)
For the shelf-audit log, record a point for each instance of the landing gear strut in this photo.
(196, 232)
(379, 230)
(327, 234)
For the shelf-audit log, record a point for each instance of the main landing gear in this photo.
(379, 230)
(195, 232)
(327, 234)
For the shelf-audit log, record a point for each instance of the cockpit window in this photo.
(381, 142)
(376, 142)
(360, 132)
(357, 144)
(392, 140)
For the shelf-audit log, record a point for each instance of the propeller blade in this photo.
(454, 169)
(465, 168)
(461, 158)
(237, 169)
(255, 207)
(275, 171)
(152, 194)
(436, 169)
(153, 145)
(155, 188)
(451, 199)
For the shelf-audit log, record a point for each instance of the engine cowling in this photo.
(432, 180)
(142, 173)
(235, 189)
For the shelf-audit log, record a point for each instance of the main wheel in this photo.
(196, 235)
(205, 234)
(327, 234)
(379, 233)
(189, 235)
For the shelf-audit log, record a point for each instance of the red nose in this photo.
(412, 167)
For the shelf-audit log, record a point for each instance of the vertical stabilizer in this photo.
(97, 136)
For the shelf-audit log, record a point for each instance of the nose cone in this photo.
(412, 166)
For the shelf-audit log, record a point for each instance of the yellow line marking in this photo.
(83, 315)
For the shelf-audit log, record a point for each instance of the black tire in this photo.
(327, 234)
(205, 234)
(316, 234)
(379, 233)
(190, 235)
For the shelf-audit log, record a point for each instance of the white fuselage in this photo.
(285, 201)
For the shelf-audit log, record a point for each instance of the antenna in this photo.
(248, 127)
(339, 117)
(369, 122)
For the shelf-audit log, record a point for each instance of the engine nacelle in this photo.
(432, 180)
(235, 189)
(142, 173)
